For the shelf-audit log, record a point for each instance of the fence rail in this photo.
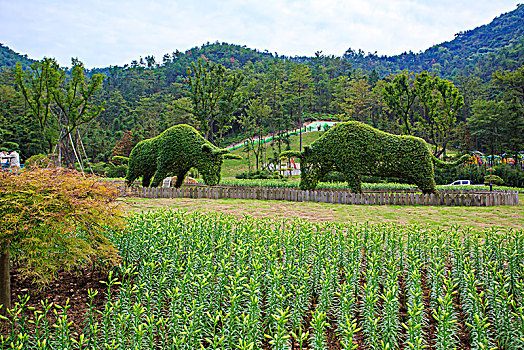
(478, 199)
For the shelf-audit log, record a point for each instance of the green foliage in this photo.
(123, 147)
(58, 101)
(252, 121)
(334, 176)
(120, 160)
(369, 186)
(356, 149)
(149, 95)
(259, 174)
(185, 275)
(498, 126)
(359, 99)
(480, 51)
(9, 58)
(11, 146)
(99, 168)
(493, 180)
(467, 172)
(513, 82)
(400, 94)
(299, 85)
(38, 160)
(441, 102)
(426, 105)
(174, 152)
(213, 95)
(112, 170)
(513, 177)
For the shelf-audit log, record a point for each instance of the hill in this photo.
(498, 45)
(480, 51)
(9, 58)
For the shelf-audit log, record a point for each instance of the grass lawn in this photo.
(476, 218)
(232, 167)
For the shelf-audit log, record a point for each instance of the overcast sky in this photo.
(111, 32)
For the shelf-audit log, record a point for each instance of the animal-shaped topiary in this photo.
(174, 152)
(356, 149)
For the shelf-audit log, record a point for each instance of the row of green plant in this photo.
(193, 281)
(508, 175)
(294, 183)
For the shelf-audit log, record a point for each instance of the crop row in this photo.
(211, 281)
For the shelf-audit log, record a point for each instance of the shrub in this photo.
(99, 168)
(173, 153)
(493, 180)
(116, 170)
(512, 177)
(118, 160)
(53, 219)
(357, 149)
(39, 160)
(334, 176)
(259, 174)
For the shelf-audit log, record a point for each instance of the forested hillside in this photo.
(9, 58)
(263, 93)
(498, 45)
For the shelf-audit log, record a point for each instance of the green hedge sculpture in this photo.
(356, 149)
(174, 152)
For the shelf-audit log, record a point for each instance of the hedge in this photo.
(356, 149)
(173, 153)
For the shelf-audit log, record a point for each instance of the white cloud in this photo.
(111, 32)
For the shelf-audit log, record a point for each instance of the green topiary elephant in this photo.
(356, 149)
(174, 152)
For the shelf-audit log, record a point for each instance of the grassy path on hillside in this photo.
(232, 167)
(477, 218)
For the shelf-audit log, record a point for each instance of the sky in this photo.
(114, 32)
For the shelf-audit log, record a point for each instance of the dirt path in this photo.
(477, 218)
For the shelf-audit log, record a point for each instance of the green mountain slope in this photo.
(9, 58)
(497, 45)
(480, 51)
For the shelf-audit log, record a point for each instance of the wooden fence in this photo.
(479, 199)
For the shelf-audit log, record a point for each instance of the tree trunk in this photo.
(5, 282)
(300, 127)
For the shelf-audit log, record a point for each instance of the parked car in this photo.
(463, 182)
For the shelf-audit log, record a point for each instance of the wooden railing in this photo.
(445, 198)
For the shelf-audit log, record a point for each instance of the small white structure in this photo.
(167, 182)
(15, 159)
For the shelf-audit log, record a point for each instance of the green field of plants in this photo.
(212, 281)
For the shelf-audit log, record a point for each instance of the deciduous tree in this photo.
(399, 95)
(212, 93)
(300, 88)
(53, 219)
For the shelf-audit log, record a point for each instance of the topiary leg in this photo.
(180, 178)
(424, 180)
(130, 178)
(353, 180)
(132, 174)
(426, 185)
(146, 179)
(160, 175)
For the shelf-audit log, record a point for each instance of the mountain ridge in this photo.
(498, 44)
